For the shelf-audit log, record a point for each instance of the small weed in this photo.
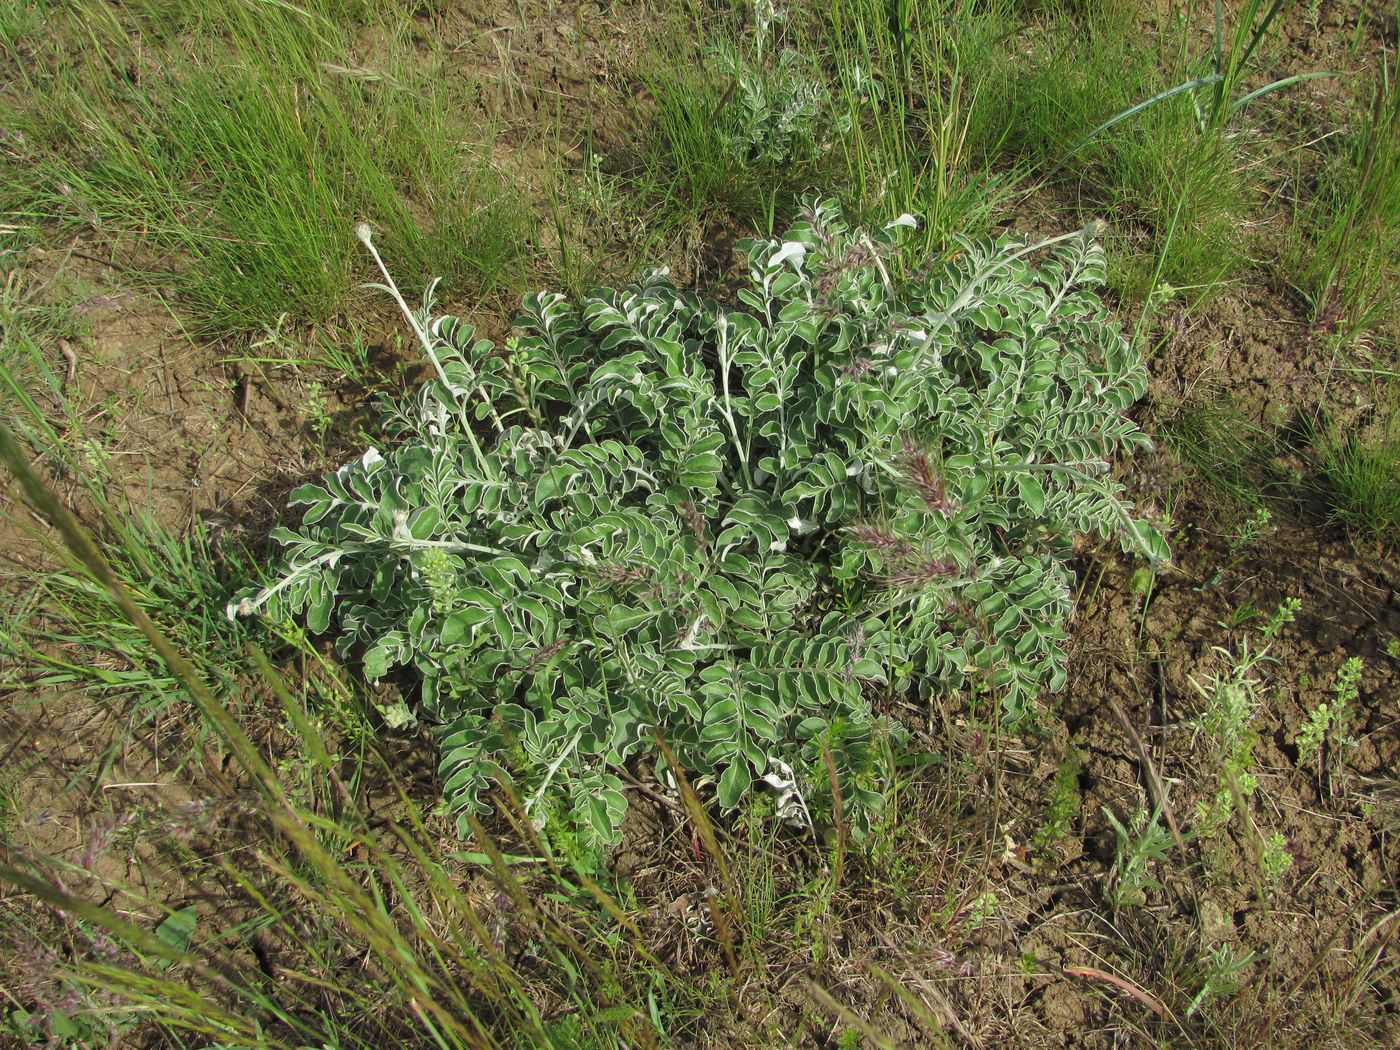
(1309, 738)
(1275, 861)
(1232, 699)
(1064, 803)
(1250, 531)
(1139, 845)
(1328, 722)
(776, 92)
(1223, 969)
(982, 909)
(318, 411)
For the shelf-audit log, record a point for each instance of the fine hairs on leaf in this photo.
(739, 530)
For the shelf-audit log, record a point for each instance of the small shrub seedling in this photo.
(739, 530)
(777, 93)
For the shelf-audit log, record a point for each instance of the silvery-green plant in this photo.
(1222, 975)
(1140, 846)
(745, 530)
(776, 94)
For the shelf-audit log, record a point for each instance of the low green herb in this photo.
(1232, 698)
(1064, 803)
(1140, 846)
(1328, 722)
(1275, 861)
(740, 530)
(1221, 978)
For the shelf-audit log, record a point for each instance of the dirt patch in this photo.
(171, 425)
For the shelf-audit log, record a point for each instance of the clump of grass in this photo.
(1345, 253)
(1359, 473)
(1146, 131)
(245, 141)
(1224, 450)
(67, 632)
(25, 324)
(911, 125)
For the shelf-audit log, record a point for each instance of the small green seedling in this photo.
(1064, 803)
(1327, 722)
(1139, 845)
(1222, 977)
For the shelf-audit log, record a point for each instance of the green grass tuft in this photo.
(1173, 186)
(1344, 254)
(1224, 452)
(1360, 475)
(243, 142)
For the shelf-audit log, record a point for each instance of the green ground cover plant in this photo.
(731, 529)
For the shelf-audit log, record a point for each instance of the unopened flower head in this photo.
(920, 573)
(882, 539)
(925, 479)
